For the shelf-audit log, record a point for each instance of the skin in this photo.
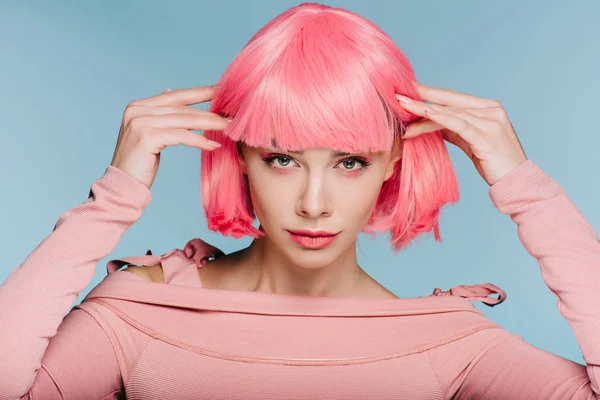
(312, 190)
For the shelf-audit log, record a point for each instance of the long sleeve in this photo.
(37, 295)
(567, 248)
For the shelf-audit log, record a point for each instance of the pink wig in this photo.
(323, 77)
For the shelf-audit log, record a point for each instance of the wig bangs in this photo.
(315, 94)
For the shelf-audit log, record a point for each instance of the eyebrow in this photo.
(335, 154)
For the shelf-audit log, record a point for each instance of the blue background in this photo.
(69, 68)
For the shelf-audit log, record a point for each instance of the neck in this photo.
(265, 268)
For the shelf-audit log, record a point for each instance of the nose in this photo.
(314, 201)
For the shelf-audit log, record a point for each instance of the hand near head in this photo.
(149, 125)
(479, 127)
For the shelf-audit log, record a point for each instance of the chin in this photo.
(312, 259)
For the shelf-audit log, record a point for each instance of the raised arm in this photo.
(502, 365)
(38, 294)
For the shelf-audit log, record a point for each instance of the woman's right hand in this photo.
(149, 125)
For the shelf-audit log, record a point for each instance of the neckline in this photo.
(122, 285)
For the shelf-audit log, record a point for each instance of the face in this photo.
(317, 189)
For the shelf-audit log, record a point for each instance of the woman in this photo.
(308, 120)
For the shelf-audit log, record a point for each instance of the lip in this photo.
(308, 232)
(313, 241)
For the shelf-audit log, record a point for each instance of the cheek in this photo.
(270, 197)
(356, 201)
(359, 197)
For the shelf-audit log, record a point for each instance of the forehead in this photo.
(300, 152)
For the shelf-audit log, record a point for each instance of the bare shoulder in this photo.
(152, 273)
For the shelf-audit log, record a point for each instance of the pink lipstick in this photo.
(312, 239)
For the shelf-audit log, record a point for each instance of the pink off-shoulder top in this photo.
(136, 339)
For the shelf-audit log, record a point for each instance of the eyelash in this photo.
(363, 162)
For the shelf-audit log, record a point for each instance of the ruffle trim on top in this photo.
(175, 263)
(180, 268)
(478, 292)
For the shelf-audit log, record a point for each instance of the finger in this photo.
(463, 128)
(476, 116)
(182, 120)
(473, 117)
(416, 106)
(426, 126)
(174, 137)
(452, 98)
(179, 97)
(138, 111)
(453, 138)
(423, 125)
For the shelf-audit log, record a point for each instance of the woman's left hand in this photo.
(479, 127)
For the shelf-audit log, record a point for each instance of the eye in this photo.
(286, 161)
(349, 163)
(282, 161)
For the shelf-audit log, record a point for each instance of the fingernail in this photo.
(216, 144)
(404, 99)
(229, 120)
